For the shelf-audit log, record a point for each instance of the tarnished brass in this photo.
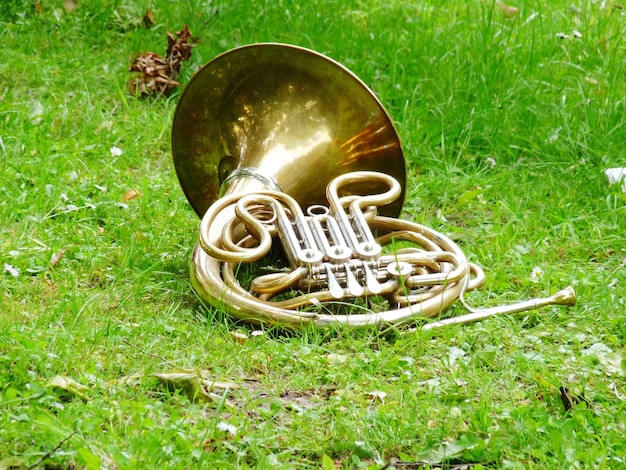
(276, 145)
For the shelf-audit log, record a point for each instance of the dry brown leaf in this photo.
(195, 384)
(69, 388)
(130, 195)
(148, 19)
(58, 256)
(157, 75)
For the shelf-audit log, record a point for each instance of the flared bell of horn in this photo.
(281, 117)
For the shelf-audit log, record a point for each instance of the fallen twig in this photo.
(49, 454)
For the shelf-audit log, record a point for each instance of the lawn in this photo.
(508, 117)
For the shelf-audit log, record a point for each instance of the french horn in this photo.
(298, 175)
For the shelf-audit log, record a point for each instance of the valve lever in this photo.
(370, 280)
(354, 287)
(336, 291)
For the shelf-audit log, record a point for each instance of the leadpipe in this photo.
(566, 297)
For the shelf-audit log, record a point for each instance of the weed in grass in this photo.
(507, 124)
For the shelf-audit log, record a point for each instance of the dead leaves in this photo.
(148, 19)
(68, 388)
(157, 75)
(58, 256)
(130, 195)
(196, 384)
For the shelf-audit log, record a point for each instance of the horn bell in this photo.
(282, 117)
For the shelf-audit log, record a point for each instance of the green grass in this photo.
(464, 85)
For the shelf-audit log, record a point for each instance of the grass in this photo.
(467, 88)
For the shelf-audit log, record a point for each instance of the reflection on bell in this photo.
(287, 114)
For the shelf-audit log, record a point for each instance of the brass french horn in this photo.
(286, 155)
